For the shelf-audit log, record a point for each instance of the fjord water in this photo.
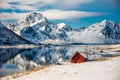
(20, 59)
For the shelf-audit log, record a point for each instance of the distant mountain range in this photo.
(103, 32)
(35, 28)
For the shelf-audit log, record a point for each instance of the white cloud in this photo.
(36, 4)
(68, 4)
(21, 5)
(53, 14)
(10, 16)
(56, 14)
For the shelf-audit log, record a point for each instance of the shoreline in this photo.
(26, 74)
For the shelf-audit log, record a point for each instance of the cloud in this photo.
(53, 14)
(37, 4)
(56, 14)
(11, 16)
(65, 4)
(16, 4)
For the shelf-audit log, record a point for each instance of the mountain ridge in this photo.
(38, 29)
(103, 32)
(7, 36)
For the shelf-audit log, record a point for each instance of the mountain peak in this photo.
(64, 27)
(35, 14)
(61, 25)
(106, 22)
(34, 17)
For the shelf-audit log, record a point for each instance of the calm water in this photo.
(16, 59)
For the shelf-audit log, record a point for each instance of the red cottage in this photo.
(77, 58)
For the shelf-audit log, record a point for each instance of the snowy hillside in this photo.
(103, 32)
(102, 70)
(9, 37)
(37, 29)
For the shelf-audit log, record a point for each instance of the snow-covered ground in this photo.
(96, 70)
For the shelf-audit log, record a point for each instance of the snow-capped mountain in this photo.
(103, 32)
(9, 37)
(63, 26)
(37, 29)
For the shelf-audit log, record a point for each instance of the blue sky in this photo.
(76, 13)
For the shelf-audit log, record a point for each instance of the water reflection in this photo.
(37, 57)
(24, 59)
(7, 54)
